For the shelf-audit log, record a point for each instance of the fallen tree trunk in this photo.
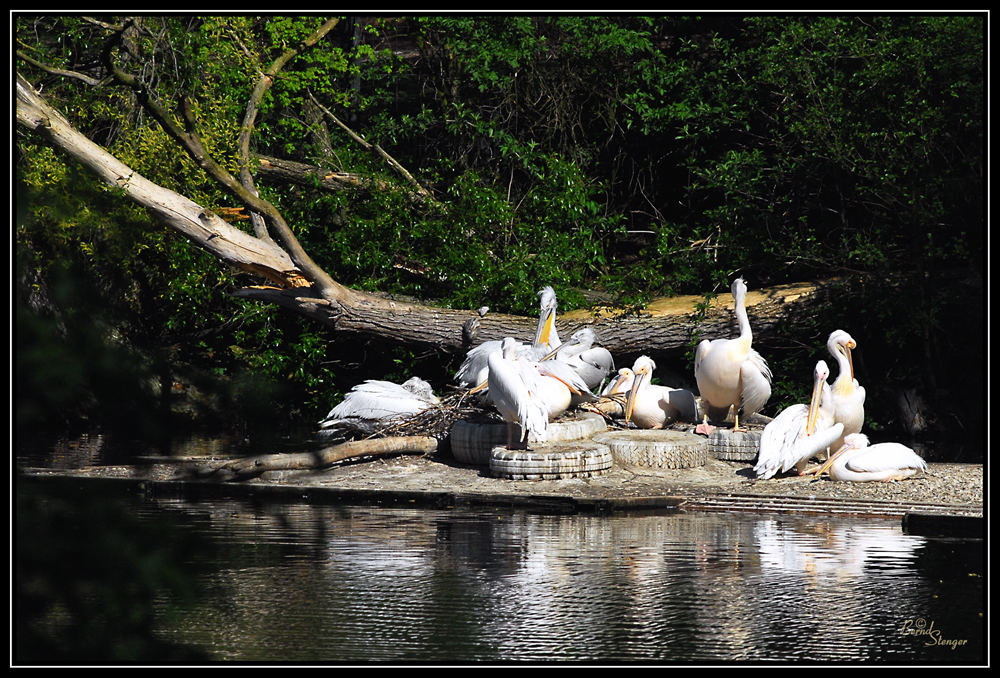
(250, 467)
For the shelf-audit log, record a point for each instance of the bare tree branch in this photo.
(264, 83)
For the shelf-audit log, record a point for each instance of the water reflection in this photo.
(322, 583)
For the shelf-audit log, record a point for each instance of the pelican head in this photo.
(739, 288)
(820, 374)
(642, 368)
(547, 317)
(842, 343)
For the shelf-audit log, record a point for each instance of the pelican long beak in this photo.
(829, 462)
(631, 395)
(572, 389)
(619, 380)
(545, 325)
(814, 407)
(552, 354)
(850, 361)
(481, 387)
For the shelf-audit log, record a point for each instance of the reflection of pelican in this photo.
(473, 370)
(799, 432)
(848, 396)
(653, 406)
(514, 391)
(731, 373)
(374, 403)
(593, 363)
(856, 461)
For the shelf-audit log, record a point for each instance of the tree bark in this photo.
(373, 447)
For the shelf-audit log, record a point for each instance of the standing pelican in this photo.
(848, 396)
(593, 363)
(375, 403)
(653, 406)
(514, 391)
(799, 432)
(731, 373)
(856, 461)
(473, 371)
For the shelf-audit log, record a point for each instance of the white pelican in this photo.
(848, 396)
(593, 363)
(561, 387)
(615, 394)
(514, 391)
(856, 461)
(731, 373)
(473, 371)
(653, 406)
(375, 403)
(799, 432)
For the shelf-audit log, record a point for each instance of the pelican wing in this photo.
(372, 402)
(784, 444)
(512, 392)
(885, 457)
(756, 378)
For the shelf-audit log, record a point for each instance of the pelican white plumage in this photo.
(847, 394)
(730, 373)
(654, 406)
(514, 390)
(375, 403)
(593, 363)
(615, 394)
(858, 462)
(474, 369)
(561, 387)
(799, 432)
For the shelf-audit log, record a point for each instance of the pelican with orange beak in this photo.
(653, 406)
(847, 395)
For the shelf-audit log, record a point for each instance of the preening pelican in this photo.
(514, 391)
(615, 394)
(847, 394)
(474, 371)
(856, 461)
(653, 406)
(799, 432)
(375, 403)
(731, 373)
(593, 363)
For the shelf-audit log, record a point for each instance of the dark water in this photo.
(311, 583)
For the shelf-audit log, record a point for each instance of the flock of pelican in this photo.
(530, 385)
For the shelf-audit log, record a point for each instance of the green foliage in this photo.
(634, 156)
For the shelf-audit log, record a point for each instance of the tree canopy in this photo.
(465, 161)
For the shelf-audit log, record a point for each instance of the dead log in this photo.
(250, 467)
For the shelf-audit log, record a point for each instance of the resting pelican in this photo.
(561, 387)
(856, 461)
(473, 371)
(653, 406)
(593, 363)
(514, 391)
(376, 403)
(731, 373)
(615, 394)
(799, 432)
(848, 396)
